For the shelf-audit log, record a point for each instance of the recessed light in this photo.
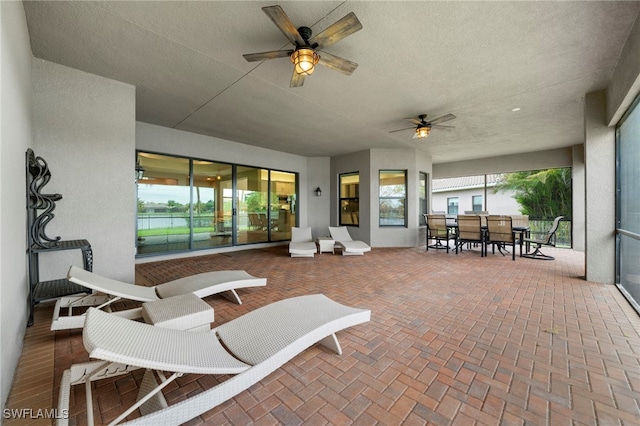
(515, 109)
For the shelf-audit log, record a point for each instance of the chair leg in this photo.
(537, 254)
(438, 245)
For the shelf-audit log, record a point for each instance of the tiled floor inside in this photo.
(453, 340)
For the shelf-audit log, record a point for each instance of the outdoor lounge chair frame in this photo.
(108, 291)
(249, 347)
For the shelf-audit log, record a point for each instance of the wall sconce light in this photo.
(139, 170)
(318, 192)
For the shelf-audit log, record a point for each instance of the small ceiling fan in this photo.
(424, 127)
(305, 56)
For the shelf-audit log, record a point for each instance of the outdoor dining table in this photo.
(522, 230)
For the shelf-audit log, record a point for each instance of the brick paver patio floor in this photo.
(453, 340)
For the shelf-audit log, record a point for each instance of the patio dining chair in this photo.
(470, 232)
(438, 230)
(500, 233)
(543, 239)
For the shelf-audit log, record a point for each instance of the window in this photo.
(190, 204)
(349, 199)
(393, 198)
(476, 201)
(422, 197)
(452, 205)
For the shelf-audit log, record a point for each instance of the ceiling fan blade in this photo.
(414, 121)
(441, 127)
(402, 130)
(285, 25)
(252, 57)
(297, 80)
(337, 63)
(348, 25)
(442, 119)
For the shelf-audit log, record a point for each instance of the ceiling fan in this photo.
(424, 127)
(305, 55)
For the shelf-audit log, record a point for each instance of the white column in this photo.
(578, 200)
(599, 150)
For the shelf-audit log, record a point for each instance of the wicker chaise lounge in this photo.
(341, 236)
(302, 244)
(107, 291)
(249, 347)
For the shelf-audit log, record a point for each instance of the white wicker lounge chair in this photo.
(249, 347)
(107, 291)
(341, 236)
(302, 244)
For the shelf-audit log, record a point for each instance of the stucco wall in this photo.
(600, 192)
(16, 122)
(318, 210)
(85, 130)
(368, 164)
(356, 162)
(578, 198)
(397, 159)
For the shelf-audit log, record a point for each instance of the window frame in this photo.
(350, 200)
(473, 203)
(627, 237)
(457, 204)
(423, 201)
(403, 199)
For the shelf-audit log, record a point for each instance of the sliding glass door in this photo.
(164, 220)
(212, 210)
(253, 213)
(283, 207)
(191, 204)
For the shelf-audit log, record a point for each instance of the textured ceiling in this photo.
(477, 60)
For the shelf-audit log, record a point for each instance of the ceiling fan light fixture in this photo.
(422, 132)
(305, 59)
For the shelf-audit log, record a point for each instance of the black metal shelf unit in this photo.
(39, 213)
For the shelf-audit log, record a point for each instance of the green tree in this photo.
(540, 193)
(255, 202)
(176, 207)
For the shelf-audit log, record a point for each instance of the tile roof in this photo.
(464, 182)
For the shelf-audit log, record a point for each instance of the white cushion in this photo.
(300, 234)
(355, 247)
(302, 249)
(340, 233)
